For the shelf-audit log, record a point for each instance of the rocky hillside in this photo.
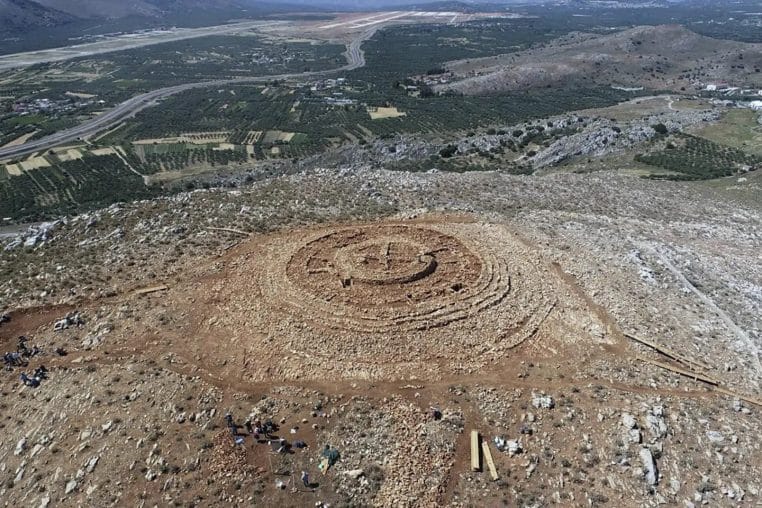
(19, 17)
(16, 15)
(655, 57)
(110, 9)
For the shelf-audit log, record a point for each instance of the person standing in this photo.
(305, 479)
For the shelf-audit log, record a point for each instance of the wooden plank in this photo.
(745, 398)
(489, 461)
(324, 465)
(475, 463)
(152, 289)
(669, 353)
(230, 230)
(687, 373)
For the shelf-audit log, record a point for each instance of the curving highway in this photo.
(355, 59)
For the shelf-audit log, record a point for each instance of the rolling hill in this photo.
(667, 57)
(18, 15)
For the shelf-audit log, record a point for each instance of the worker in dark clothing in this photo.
(229, 420)
(12, 359)
(248, 426)
(269, 428)
(30, 381)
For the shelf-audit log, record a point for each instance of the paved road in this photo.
(355, 59)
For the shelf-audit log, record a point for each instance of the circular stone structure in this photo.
(382, 278)
(386, 300)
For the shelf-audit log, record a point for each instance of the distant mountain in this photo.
(23, 19)
(18, 15)
(114, 9)
(369, 5)
(101, 9)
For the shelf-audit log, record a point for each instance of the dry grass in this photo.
(379, 113)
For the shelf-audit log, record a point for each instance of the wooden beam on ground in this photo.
(488, 460)
(687, 373)
(669, 353)
(745, 398)
(152, 289)
(475, 463)
(230, 230)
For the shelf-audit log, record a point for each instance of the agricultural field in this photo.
(738, 128)
(76, 177)
(46, 98)
(244, 110)
(66, 186)
(152, 159)
(382, 112)
(689, 157)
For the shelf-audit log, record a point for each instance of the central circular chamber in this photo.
(383, 273)
(384, 261)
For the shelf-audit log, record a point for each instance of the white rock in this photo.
(37, 449)
(514, 447)
(92, 463)
(20, 447)
(71, 487)
(656, 423)
(629, 421)
(543, 401)
(649, 466)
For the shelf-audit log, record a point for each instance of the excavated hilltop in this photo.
(600, 332)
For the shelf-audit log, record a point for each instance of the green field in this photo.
(70, 187)
(692, 158)
(738, 128)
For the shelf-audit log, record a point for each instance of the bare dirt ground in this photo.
(344, 305)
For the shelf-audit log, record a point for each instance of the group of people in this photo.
(34, 381)
(20, 357)
(255, 429)
(266, 429)
(25, 351)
